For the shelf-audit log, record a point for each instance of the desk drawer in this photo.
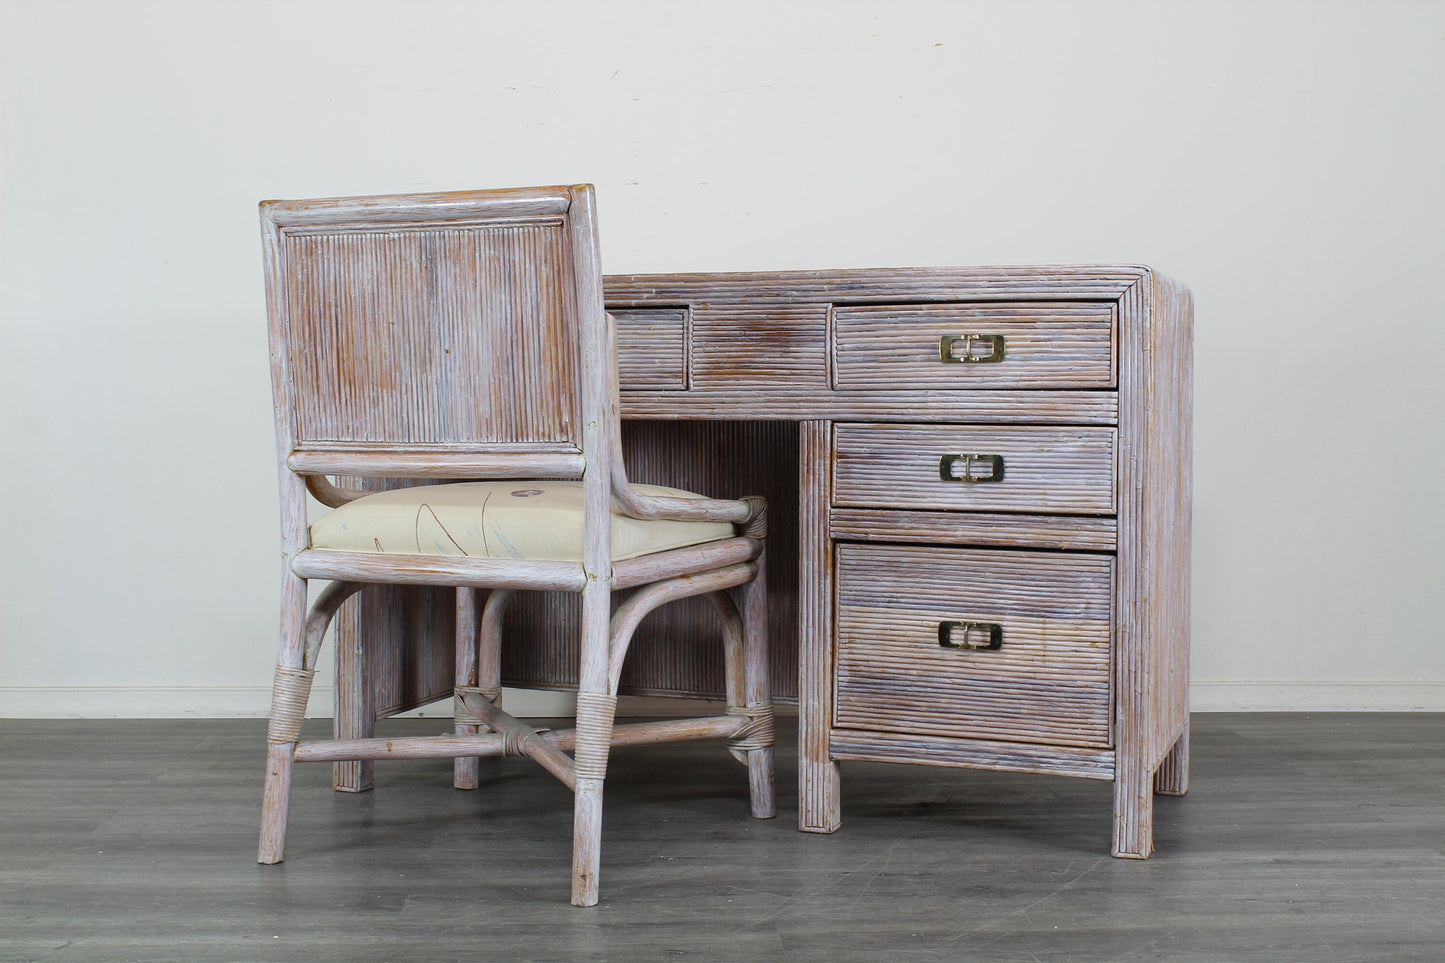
(1049, 615)
(968, 346)
(652, 348)
(1006, 468)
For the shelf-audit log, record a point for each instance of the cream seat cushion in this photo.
(534, 520)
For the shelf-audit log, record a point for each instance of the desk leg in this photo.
(1172, 776)
(818, 777)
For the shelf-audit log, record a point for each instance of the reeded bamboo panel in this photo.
(1094, 533)
(1052, 470)
(652, 348)
(431, 337)
(1049, 682)
(920, 750)
(763, 343)
(678, 649)
(1045, 345)
(1167, 517)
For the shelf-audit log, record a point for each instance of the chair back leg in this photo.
(465, 769)
(757, 692)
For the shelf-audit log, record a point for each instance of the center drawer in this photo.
(967, 468)
(974, 643)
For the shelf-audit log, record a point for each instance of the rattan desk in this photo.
(979, 485)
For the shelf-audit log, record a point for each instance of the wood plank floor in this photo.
(1311, 837)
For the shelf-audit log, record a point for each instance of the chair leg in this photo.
(586, 841)
(596, 708)
(289, 692)
(465, 769)
(758, 693)
(479, 670)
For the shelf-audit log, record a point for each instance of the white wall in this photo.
(1282, 158)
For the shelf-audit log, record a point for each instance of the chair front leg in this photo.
(596, 709)
(289, 693)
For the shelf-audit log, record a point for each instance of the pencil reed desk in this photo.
(979, 485)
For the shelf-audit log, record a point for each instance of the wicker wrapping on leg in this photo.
(595, 712)
(757, 733)
(290, 691)
(466, 715)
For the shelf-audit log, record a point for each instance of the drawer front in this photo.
(652, 348)
(967, 346)
(1048, 614)
(1014, 468)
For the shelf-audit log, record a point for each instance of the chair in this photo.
(441, 337)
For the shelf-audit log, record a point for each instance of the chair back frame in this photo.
(457, 335)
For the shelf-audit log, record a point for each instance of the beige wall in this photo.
(1282, 158)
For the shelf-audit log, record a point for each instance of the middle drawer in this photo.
(963, 468)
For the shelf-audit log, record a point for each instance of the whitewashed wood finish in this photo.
(653, 346)
(465, 772)
(538, 461)
(1048, 683)
(1046, 470)
(761, 348)
(1046, 345)
(382, 357)
(1152, 359)
(442, 570)
(436, 336)
(1001, 529)
(1152, 635)
(819, 785)
(645, 600)
(1001, 754)
(492, 744)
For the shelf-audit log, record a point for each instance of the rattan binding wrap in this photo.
(290, 691)
(464, 715)
(757, 523)
(757, 733)
(594, 717)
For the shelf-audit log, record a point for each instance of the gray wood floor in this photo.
(1305, 837)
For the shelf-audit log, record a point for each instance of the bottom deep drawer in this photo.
(989, 644)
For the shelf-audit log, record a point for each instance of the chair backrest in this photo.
(427, 329)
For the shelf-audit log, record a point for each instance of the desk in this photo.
(979, 489)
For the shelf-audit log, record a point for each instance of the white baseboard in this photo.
(224, 702)
(1317, 696)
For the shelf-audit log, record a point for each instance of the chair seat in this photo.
(531, 520)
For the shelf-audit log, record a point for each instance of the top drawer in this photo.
(966, 346)
(652, 348)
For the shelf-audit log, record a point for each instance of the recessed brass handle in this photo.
(978, 636)
(949, 342)
(947, 462)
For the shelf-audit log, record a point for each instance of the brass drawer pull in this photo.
(979, 636)
(948, 342)
(994, 462)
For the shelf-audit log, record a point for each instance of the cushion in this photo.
(534, 520)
